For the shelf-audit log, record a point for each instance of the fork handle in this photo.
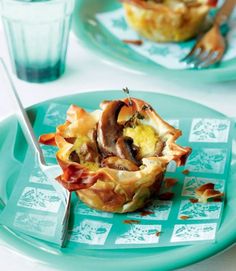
(224, 12)
(24, 120)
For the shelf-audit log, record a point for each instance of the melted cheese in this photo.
(91, 166)
(79, 142)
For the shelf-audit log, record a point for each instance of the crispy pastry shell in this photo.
(110, 189)
(162, 23)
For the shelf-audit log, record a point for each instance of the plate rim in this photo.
(39, 255)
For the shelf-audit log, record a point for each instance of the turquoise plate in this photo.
(94, 36)
(12, 152)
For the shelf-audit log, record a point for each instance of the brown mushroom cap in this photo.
(118, 163)
(108, 129)
(126, 150)
(110, 137)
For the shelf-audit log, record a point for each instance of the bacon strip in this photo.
(76, 177)
(48, 139)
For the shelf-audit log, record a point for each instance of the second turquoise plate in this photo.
(95, 37)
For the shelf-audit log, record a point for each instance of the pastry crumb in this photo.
(131, 221)
(193, 200)
(170, 182)
(146, 212)
(134, 42)
(166, 196)
(207, 191)
(184, 217)
(186, 172)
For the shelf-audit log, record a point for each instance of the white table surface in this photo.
(86, 72)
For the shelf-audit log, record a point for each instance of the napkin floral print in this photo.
(175, 218)
(35, 207)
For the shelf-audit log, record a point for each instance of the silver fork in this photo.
(51, 171)
(210, 48)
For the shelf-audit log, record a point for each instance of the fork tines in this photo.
(201, 58)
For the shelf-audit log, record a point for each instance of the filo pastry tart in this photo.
(167, 20)
(115, 158)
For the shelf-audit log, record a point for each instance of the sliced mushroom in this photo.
(70, 140)
(110, 137)
(125, 149)
(88, 153)
(74, 157)
(108, 129)
(118, 163)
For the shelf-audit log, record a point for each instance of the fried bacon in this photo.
(76, 177)
(48, 139)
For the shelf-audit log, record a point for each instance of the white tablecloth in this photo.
(86, 72)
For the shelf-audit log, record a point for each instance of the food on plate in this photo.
(207, 192)
(167, 20)
(134, 42)
(115, 158)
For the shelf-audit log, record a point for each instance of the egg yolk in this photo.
(145, 137)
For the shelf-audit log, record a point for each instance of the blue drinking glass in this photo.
(37, 36)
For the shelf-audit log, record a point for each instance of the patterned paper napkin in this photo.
(173, 222)
(35, 209)
(165, 54)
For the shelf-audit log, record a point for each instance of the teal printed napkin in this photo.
(177, 221)
(35, 208)
(168, 54)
